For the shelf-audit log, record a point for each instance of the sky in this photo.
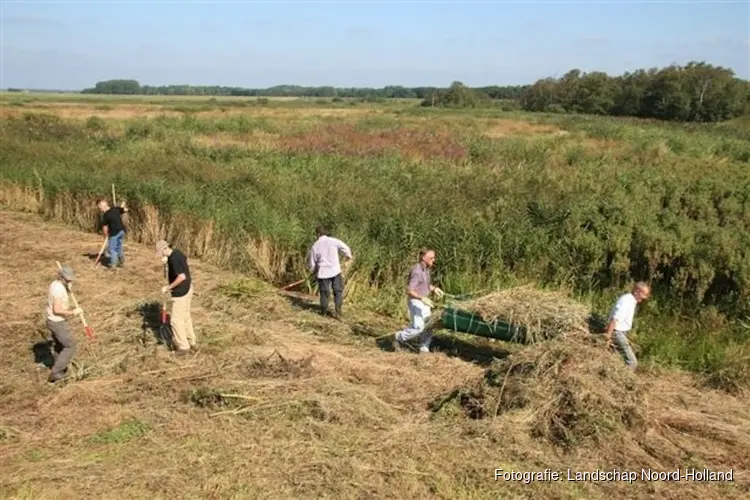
(70, 45)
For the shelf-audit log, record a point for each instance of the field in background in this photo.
(35, 99)
(583, 203)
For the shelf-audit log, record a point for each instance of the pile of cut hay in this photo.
(565, 391)
(536, 314)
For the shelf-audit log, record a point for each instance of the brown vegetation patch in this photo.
(313, 112)
(505, 128)
(82, 111)
(254, 140)
(119, 111)
(569, 392)
(601, 144)
(596, 146)
(572, 395)
(345, 139)
(276, 365)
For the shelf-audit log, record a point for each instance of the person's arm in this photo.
(105, 226)
(59, 310)
(437, 291)
(344, 248)
(616, 315)
(411, 288)
(609, 330)
(180, 268)
(179, 279)
(311, 264)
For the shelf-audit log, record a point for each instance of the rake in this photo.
(165, 330)
(86, 328)
(99, 256)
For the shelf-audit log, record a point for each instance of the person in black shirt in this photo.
(181, 288)
(114, 231)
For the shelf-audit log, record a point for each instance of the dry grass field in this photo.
(281, 403)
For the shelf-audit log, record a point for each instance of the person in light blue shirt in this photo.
(323, 260)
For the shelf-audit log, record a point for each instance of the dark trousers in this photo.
(324, 288)
(64, 347)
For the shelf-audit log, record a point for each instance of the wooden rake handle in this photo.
(86, 328)
(99, 256)
(292, 285)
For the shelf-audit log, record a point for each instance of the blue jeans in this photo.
(114, 246)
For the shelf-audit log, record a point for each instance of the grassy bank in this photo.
(575, 202)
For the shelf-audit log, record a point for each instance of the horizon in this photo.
(358, 44)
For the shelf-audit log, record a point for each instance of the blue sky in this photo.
(73, 44)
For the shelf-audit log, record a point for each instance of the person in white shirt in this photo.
(323, 259)
(621, 321)
(57, 313)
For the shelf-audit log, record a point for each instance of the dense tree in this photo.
(457, 95)
(695, 92)
(116, 87)
(540, 96)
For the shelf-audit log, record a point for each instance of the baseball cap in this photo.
(67, 273)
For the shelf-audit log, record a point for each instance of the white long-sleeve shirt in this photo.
(623, 312)
(324, 255)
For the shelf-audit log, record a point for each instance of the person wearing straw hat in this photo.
(181, 288)
(418, 290)
(56, 314)
(621, 321)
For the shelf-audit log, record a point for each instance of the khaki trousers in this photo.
(182, 323)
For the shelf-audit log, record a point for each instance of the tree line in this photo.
(133, 87)
(695, 92)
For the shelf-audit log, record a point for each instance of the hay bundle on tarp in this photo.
(566, 391)
(540, 314)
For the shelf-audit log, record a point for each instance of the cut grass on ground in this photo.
(281, 403)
